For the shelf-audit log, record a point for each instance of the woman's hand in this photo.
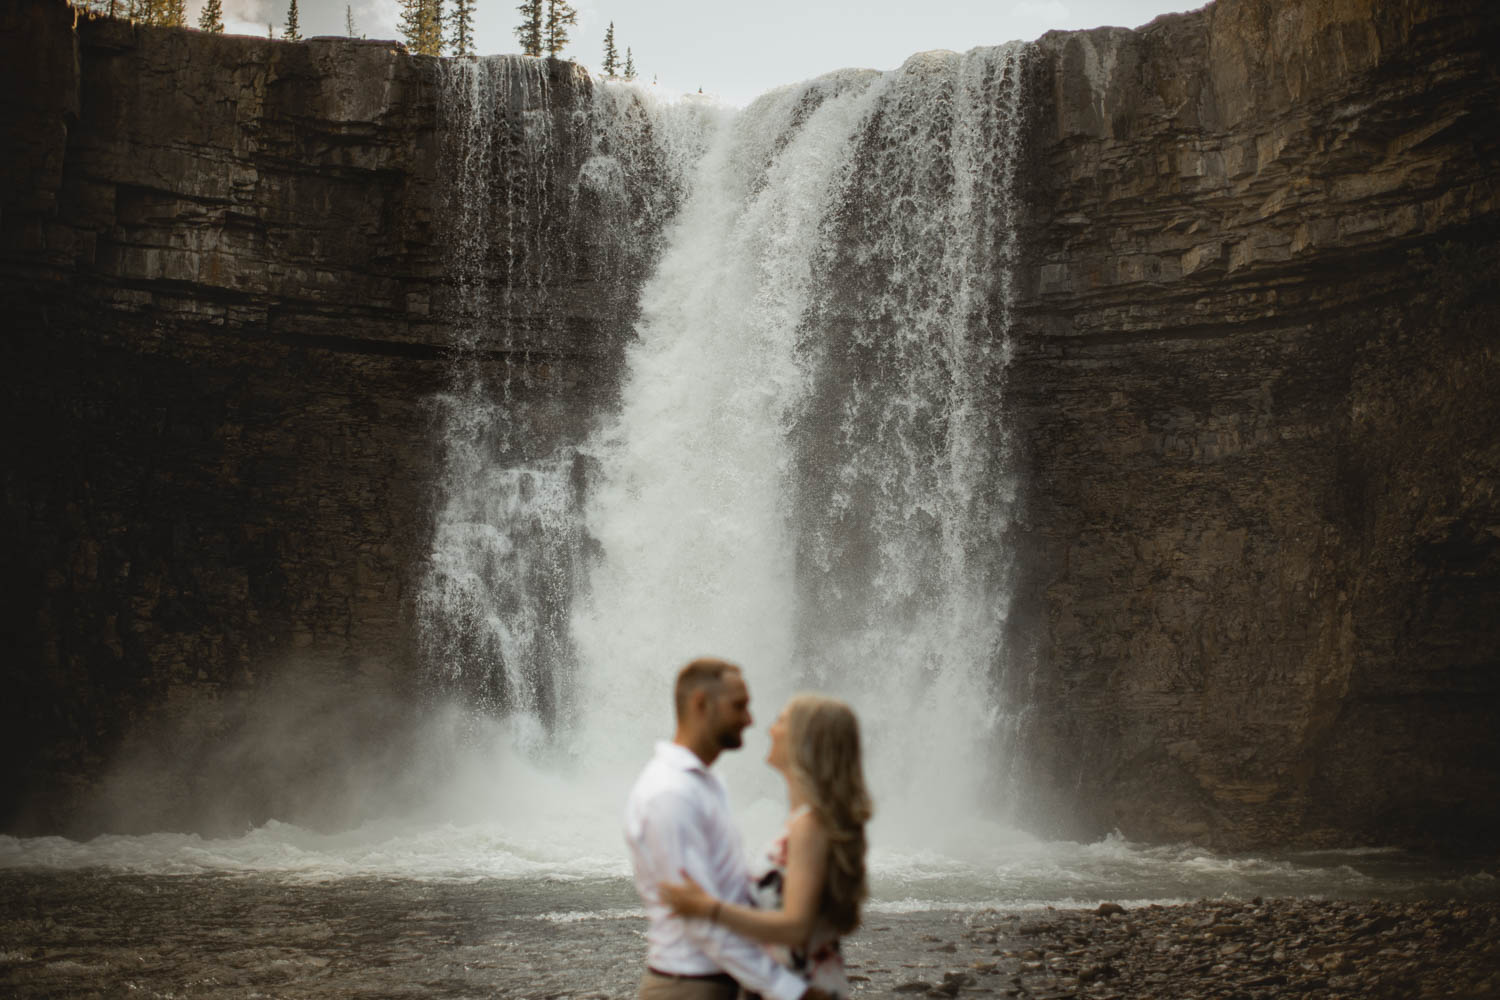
(686, 898)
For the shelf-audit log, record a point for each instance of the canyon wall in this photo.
(1258, 390)
(1253, 394)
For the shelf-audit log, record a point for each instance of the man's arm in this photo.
(792, 925)
(675, 841)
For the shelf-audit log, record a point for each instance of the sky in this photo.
(738, 51)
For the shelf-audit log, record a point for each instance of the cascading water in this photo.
(503, 550)
(508, 540)
(807, 473)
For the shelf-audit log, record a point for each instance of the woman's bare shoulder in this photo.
(807, 826)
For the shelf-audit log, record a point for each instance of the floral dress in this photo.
(821, 963)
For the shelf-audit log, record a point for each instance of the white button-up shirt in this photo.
(677, 819)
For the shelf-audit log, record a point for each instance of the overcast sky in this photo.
(739, 51)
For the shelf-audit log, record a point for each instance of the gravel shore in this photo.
(97, 934)
(1222, 949)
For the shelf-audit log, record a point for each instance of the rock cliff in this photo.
(1253, 388)
(1257, 390)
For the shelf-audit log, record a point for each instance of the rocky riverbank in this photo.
(97, 934)
(1220, 948)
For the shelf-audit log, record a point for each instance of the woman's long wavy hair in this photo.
(824, 758)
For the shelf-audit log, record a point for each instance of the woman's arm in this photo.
(806, 868)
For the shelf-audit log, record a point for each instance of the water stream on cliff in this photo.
(508, 551)
(804, 472)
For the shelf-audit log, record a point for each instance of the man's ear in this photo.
(698, 703)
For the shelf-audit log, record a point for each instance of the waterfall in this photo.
(806, 470)
(808, 473)
(508, 541)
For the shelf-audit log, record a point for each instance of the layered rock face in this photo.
(1253, 393)
(228, 308)
(1258, 392)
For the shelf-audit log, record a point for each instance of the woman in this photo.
(810, 889)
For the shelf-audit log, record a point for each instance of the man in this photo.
(677, 820)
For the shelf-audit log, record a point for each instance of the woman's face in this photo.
(778, 758)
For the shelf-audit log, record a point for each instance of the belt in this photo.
(717, 978)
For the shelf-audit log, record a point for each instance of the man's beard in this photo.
(730, 738)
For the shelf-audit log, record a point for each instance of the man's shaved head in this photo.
(705, 673)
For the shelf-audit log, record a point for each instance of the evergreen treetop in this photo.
(168, 13)
(611, 54)
(349, 20)
(422, 26)
(211, 18)
(461, 28)
(629, 64)
(560, 14)
(529, 31)
(292, 34)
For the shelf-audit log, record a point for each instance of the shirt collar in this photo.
(679, 757)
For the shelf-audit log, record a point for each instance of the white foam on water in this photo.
(555, 845)
(579, 916)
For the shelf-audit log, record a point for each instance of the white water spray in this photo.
(807, 474)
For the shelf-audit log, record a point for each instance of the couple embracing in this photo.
(716, 927)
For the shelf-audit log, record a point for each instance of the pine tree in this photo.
(348, 19)
(212, 18)
(422, 26)
(434, 39)
(611, 54)
(461, 28)
(170, 13)
(411, 21)
(291, 33)
(529, 31)
(629, 64)
(560, 14)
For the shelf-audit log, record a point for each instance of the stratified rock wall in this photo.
(222, 272)
(1258, 391)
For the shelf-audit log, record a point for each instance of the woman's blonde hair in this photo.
(824, 758)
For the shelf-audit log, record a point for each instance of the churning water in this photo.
(806, 471)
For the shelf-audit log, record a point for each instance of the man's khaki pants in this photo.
(658, 987)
